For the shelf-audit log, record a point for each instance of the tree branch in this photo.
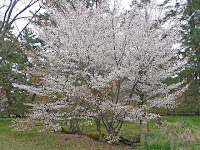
(9, 51)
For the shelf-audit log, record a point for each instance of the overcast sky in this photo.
(19, 24)
(20, 5)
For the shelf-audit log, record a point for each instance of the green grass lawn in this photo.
(184, 130)
(33, 140)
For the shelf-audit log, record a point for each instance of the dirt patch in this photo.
(94, 144)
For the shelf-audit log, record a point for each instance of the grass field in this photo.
(183, 131)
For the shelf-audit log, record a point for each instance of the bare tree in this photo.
(11, 13)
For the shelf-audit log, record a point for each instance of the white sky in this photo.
(19, 24)
(22, 22)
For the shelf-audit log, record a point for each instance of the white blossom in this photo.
(104, 62)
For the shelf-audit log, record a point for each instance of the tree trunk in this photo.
(74, 127)
(33, 98)
(140, 127)
(159, 122)
(148, 127)
(98, 124)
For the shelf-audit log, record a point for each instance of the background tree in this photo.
(190, 38)
(10, 15)
(12, 59)
(10, 72)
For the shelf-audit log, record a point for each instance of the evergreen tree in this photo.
(191, 38)
(10, 71)
(189, 12)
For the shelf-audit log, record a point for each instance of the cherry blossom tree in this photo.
(108, 64)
